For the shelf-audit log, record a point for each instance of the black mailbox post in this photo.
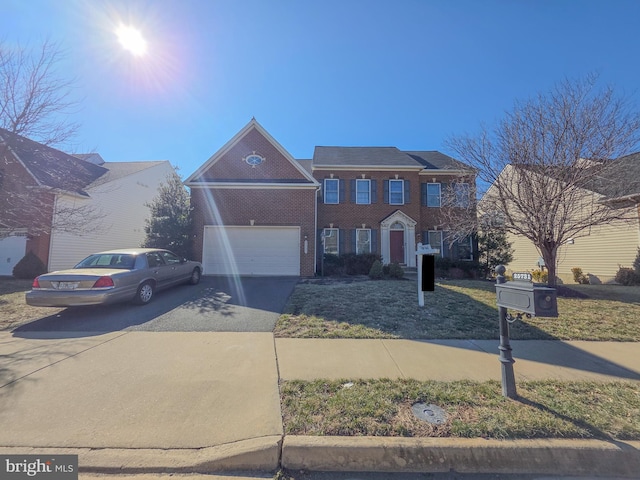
(525, 297)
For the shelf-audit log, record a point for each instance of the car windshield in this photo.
(108, 260)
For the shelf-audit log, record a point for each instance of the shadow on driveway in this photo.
(237, 304)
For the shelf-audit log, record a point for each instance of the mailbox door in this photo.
(546, 303)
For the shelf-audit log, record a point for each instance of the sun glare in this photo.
(132, 40)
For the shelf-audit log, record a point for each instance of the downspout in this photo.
(315, 233)
(53, 216)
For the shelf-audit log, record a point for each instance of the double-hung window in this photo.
(363, 240)
(396, 192)
(465, 248)
(363, 192)
(461, 192)
(331, 190)
(330, 241)
(433, 195)
(435, 240)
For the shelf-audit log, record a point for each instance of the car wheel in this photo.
(144, 293)
(195, 277)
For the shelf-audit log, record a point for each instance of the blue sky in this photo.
(405, 73)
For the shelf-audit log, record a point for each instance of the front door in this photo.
(396, 241)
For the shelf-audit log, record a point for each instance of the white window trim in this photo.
(439, 195)
(358, 230)
(337, 235)
(326, 181)
(401, 182)
(358, 180)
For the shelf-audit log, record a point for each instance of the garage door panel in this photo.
(251, 250)
(12, 249)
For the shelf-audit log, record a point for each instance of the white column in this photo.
(411, 245)
(384, 244)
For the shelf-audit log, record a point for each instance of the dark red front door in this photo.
(396, 240)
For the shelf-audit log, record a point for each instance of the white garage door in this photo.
(12, 249)
(251, 251)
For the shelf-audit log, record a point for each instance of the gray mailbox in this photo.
(525, 296)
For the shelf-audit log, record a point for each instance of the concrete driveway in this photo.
(216, 304)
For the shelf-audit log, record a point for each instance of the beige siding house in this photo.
(599, 255)
(603, 249)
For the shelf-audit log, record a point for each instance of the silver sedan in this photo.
(113, 276)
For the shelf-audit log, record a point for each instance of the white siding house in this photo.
(119, 199)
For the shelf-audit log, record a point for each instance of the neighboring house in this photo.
(259, 211)
(119, 199)
(62, 207)
(606, 247)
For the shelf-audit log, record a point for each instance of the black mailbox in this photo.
(531, 298)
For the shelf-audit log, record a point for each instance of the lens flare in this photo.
(132, 40)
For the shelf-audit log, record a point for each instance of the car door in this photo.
(179, 270)
(159, 269)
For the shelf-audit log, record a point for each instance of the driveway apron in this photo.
(138, 390)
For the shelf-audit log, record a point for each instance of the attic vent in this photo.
(254, 159)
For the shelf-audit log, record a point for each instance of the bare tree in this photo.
(548, 166)
(35, 99)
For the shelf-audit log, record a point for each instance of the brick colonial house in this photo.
(259, 211)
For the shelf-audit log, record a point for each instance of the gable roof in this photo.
(195, 180)
(50, 167)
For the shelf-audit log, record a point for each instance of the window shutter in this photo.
(322, 190)
(445, 194)
(341, 241)
(352, 186)
(374, 191)
(386, 191)
(423, 193)
(374, 241)
(425, 235)
(341, 191)
(407, 191)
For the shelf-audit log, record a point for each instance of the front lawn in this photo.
(15, 311)
(463, 309)
(545, 409)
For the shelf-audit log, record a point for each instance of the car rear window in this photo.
(108, 260)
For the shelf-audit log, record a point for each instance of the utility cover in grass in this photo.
(430, 413)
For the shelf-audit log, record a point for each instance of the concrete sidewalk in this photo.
(133, 402)
(448, 360)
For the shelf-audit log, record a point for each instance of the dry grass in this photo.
(546, 409)
(462, 309)
(15, 311)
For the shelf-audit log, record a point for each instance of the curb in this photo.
(254, 454)
(367, 454)
(395, 454)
